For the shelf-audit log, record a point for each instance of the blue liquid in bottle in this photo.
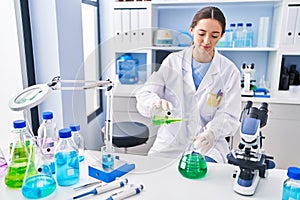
(67, 168)
(291, 186)
(39, 186)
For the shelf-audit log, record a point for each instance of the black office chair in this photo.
(129, 134)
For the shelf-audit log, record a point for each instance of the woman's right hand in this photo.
(163, 104)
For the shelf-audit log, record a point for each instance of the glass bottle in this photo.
(3, 163)
(78, 140)
(232, 35)
(239, 40)
(41, 183)
(249, 35)
(66, 159)
(192, 164)
(291, 186)
(47, 133)
(20, 154)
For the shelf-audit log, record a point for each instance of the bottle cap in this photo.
(240, 24)
(294, 173)
(47, 115)
(232, 25)
(249, 24)
(19, 124)
(74, 127)
(65, 133)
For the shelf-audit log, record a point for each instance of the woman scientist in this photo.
(199, 85)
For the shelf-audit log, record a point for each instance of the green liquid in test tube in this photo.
(160, 120)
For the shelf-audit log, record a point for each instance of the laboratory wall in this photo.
(58, 51)
(10, 66)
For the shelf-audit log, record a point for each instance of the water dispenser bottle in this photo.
(127, 69)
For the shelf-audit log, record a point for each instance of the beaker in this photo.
(107, 156)
(38, 181)
(192, 164)
(3, 163)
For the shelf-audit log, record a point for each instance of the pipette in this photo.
(126, 193)
(104, 188)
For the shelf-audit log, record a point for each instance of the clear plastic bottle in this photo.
(66, 159)
(78, 140)
(231, 35)
(249, 35)
(291, 186)
(239, 40)
(41, 183)
(21, 150)
(47, 134)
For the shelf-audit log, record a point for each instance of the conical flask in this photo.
(192, 164)
(38, 182)
(20, 149)
(161, 117)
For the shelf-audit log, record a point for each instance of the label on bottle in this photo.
(70, 172)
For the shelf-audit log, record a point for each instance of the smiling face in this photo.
(206, 35)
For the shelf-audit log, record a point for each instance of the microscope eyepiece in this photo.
(264, 107)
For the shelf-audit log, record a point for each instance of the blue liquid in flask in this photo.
(39, 186)
(67, 168)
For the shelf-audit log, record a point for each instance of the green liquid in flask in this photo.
(16, 172)
(160, 120)
(192, 166)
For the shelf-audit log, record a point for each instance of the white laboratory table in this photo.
(162, 180)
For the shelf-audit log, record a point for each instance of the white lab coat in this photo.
(216, 105)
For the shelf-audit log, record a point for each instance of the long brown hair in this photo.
(210, 13)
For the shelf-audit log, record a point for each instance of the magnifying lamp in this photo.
(36, 94)
(29, 97)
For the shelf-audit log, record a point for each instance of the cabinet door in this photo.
(291, 24)
(297, 30)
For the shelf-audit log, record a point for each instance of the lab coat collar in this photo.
(213, 70)
(187, 68)
(211, 73)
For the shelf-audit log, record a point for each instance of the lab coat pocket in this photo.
(214, 100)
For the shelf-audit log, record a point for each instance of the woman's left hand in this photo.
(204, 141)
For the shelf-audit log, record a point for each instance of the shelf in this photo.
(177, 48)
(295, 101)
(192, 2)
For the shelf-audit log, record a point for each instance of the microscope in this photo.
(253, 163)
(247, 86)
